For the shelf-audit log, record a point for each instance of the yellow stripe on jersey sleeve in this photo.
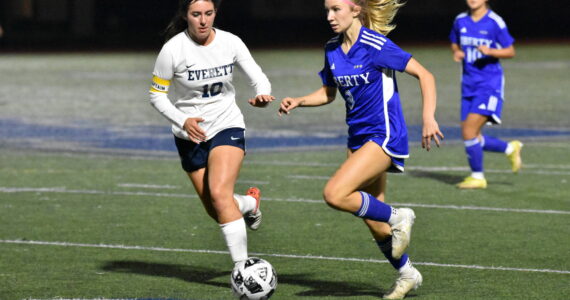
(159, 85)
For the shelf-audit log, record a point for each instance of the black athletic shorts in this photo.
(195, 156)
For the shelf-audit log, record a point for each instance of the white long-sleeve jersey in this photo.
(191, 81)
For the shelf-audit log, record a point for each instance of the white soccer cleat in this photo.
(402, 232)
(404, 284)
(253, 218)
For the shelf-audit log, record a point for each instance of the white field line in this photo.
(466, 169)
(158, 186)
(546, 166)
(255, 182)
(467, 207)
(146, 186)
(454, 169)
(63, 190)
(331, 258)
(528, 169)
(554, 145)
(308, 177)
(291, 163)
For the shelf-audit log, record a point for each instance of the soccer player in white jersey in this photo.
(195, 70)
(479, 38)
(361, 62)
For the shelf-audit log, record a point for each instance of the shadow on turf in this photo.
(445, 178)
(320, 288)
(204, 275)
(186, 273)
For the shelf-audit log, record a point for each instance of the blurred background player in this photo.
(479, 38)
(361, 62)
(195, 69)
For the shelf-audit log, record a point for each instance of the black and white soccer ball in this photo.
(253, 279)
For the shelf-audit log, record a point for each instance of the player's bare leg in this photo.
(409, 277)
(361, 168)
(215, 186)
(344, 192)
(224, 163)
(200, 182)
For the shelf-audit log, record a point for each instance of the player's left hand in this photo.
(261, 100)
(431, 131)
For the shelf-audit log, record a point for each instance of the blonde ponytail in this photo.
(379, 14)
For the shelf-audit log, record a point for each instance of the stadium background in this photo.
(94, 24)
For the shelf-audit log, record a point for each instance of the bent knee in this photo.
(469, 133)
(333, 198)
(221, 201)
(469, 130)
(220, 194)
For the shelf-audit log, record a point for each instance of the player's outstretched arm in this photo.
(322, 96)
(427, 85)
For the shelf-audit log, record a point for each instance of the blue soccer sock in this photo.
(493, 144)
(373, 209)
(474, 155)
(386, 248)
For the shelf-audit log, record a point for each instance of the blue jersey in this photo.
(481, 73)
(366, 80)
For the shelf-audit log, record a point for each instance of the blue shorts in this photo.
(195, 156)
(487, 104)
(355, 142)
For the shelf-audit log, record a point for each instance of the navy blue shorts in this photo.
(195, 156)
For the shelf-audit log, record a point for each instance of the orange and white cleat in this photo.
(253, 218)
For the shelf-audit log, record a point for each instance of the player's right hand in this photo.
(458, 56)
(194, 131)
(287, 105)
(431, 131)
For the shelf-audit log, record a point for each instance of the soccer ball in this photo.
(253, 279)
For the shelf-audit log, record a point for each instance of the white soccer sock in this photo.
(407, 268)
(246, 203)
(394, 217)
(478, 175)
(236, 239)
(509, 149)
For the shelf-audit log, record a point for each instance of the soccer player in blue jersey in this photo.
(479, 38)
(361, 63)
